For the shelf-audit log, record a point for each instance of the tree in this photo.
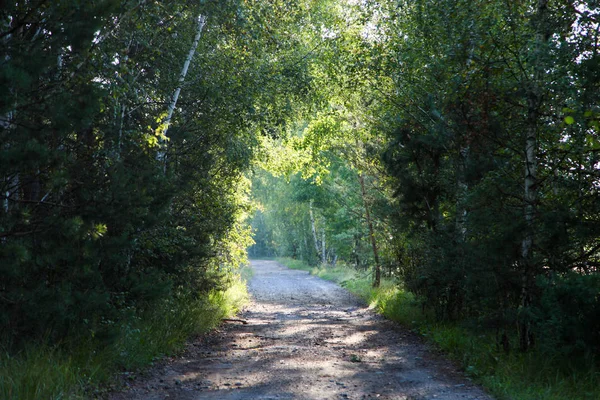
(91, 225)
(482, 89)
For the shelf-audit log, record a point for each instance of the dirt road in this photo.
(306, 338)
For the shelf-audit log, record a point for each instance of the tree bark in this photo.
(314, 228)
(162, 154)
(12, 184)
(461, 194)
(323, 248)
(377, 280)
(530, 193)
(120, 137)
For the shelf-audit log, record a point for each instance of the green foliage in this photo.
(418, 116)
(568, 314)
(84, 366)
(530, 376)
(458, 130)
(92, 224)
(284, 228)
(39, 372)
(101, 241)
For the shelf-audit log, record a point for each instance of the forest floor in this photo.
(305, 338)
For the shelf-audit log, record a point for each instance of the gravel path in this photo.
(306, 338)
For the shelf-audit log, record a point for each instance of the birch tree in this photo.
(162, 154)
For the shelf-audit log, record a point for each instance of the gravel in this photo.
(306, 338)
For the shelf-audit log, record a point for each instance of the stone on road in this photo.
(306, 338)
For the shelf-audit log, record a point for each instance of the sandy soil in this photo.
(306, 338)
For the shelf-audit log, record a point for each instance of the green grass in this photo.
(84, 367)
(516, 376)
(246, 272)
(338, 274)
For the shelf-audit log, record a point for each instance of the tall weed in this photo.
(76, 369)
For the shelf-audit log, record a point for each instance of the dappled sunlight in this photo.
(302, 346)
(352, 339)
(440, 160)
(295, 329)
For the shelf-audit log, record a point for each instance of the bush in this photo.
(568, 317)
(82, 363)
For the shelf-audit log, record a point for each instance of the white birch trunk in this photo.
(6, 123)
(530, 190)
(120, 137)
(462, 188)
(530, 195)
(6, 195)
(323, 254)
(314, 228)
(162, 154)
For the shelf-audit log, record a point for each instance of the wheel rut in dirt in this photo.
(306, 338)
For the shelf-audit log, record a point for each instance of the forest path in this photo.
(306, 338)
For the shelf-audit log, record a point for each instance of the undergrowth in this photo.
(514, 376)
(83, 367)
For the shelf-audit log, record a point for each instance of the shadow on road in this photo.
(306, 338)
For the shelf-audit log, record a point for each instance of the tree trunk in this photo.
(323, 253)
(120, 137)
(162, 154)
(461, 194)
(529, 198)
(6, 123)
(12, 184)
(314, 228)
(306, 250)
(355, 250)
(530, 193)
(377, 280)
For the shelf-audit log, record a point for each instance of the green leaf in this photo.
(569, 120)
(592, 142)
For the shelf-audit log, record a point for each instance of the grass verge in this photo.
(78, 370)
(516, 376)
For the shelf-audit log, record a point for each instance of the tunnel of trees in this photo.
(458, 152)
(452, 145)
